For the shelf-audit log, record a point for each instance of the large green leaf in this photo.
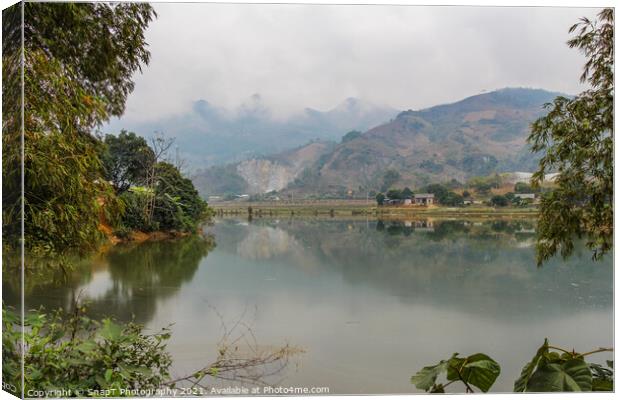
(425, 378)
(478, 370)
(572, 376)
(482, 373)
(527, 371)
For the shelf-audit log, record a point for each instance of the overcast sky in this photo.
(300, 56)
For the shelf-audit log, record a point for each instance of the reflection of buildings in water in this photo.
(264, 243)
(523, 244)
(426, 225)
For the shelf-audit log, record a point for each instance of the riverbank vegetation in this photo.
(85, 357)
(154, 194)
(76, 182)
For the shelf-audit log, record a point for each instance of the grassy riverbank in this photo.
(340, 208)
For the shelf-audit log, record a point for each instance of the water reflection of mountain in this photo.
(126, 281)
(265, 243)
(479, 267)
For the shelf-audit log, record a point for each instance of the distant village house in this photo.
(424, 199)
(531, 196)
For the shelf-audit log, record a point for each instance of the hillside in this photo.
(262, 174)
(479, 135)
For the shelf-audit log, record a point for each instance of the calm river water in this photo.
(370, 302)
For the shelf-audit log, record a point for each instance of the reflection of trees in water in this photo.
(11, 282)
(447, 261)
(145, 273)
(128, 280)
(41, 274)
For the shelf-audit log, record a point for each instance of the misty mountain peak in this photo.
(204, 109)
(254, 106)
(352, 104)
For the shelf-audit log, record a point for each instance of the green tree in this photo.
(452, 199)
(126, 160)
(499, 200)
(78, 63)
(576, 138)
(407, 193)
(99, 45)
(394, 194)
(380, 197)
(177, 202)
(439, 190)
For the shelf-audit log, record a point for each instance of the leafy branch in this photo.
(566, 371)
(477, 370)
(548, 371)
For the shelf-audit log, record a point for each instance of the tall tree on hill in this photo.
(78, 61)
(577, 139)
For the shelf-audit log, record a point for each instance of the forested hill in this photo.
(478, 135)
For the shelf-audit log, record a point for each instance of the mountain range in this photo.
(476, 136)
(208, 135)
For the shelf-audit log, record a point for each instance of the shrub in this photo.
(380, 197)
(135, 216)
(451, 199)
(76, 353)
(499, 201)
(394, 194)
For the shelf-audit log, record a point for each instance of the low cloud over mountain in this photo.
(209, 135)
